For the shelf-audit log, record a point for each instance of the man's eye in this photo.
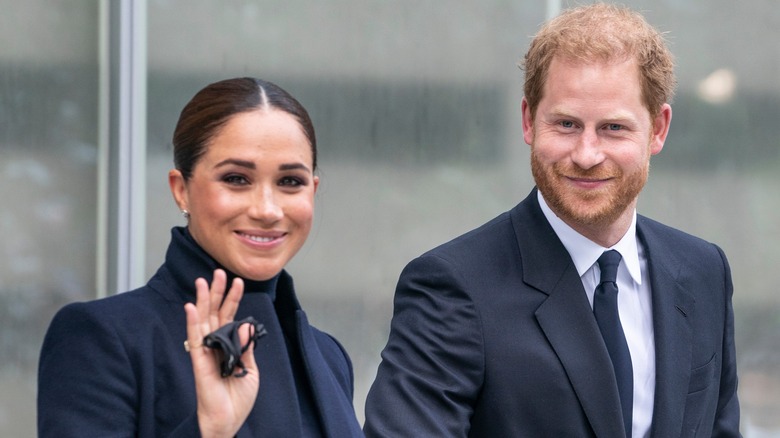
(567, 124)
(614, 127)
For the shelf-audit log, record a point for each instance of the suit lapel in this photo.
(566, 318)
(672, 306)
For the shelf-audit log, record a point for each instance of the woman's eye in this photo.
(291, 181)
(236, 180)
(567, 124)
(614, 127)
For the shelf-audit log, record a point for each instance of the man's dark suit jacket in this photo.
(117, 367)
(493, 336)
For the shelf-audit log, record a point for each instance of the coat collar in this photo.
(274, 304)
(186, 261)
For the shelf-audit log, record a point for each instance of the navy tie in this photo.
(605, 309)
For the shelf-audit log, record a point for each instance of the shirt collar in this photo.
(584, 252)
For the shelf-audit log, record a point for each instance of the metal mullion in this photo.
(123, 202)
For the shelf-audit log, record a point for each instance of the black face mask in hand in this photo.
(227, 344)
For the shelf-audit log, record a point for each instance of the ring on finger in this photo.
(188, 347)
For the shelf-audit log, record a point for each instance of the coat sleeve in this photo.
(89, 377)
(727, 414)
(432, 366)
(86, 385)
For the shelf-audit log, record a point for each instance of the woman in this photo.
(245, 155)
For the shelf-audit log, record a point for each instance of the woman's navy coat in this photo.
(116, 367)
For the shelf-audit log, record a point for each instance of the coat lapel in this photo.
(332, 403)
(566, 318)
(672, 306)
(277, 385)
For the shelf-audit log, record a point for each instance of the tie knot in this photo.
(608, 263)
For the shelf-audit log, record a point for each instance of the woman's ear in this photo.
(178, 188)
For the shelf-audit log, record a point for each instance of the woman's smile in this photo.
(266, 237)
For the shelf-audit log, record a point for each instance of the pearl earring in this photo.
(185, 214)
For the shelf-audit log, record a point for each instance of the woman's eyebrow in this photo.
(251, 165)
(236, 162)
(293, 166)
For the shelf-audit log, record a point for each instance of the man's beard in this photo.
(592, 208)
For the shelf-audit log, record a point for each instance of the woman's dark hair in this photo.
(214, 105)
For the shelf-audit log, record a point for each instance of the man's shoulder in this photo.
(482, 238)
(657, 230)
(493, 240)
(679, 246)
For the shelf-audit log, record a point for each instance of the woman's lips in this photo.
(262, 237)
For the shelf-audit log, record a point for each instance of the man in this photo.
(517, 329)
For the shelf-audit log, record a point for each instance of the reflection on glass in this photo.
(48, 132)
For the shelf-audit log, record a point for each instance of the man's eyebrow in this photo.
(618, 116)
(561, 113)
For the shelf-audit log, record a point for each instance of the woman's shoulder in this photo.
(121, 305)
(124, 314)
(110, 356)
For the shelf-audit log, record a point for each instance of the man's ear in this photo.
(661, 124)
(528, 123)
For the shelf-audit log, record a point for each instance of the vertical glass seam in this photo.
(103, 152)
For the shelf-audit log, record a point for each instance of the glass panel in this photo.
(417, 109)
(719, 173)
(48, 174)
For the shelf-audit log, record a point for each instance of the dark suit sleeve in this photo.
(727, 414)
(432, 367)
(87, 378)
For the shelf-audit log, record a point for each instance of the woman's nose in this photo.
(265, 206)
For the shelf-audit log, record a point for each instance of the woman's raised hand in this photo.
(223, 403)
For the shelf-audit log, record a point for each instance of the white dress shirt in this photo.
(634, 305)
